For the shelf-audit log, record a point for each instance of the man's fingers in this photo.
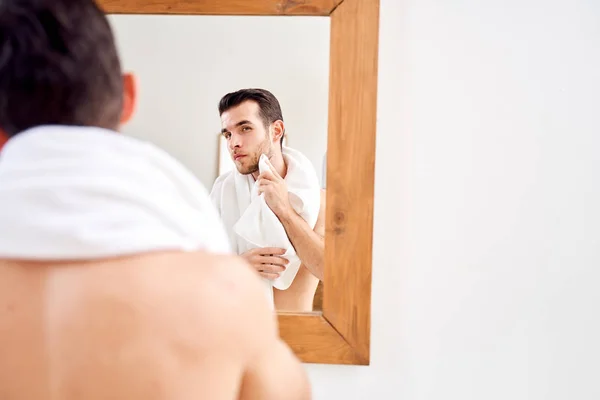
(272, 251)
(267, 175)
(263, 185)
(270, 277)
(273, 170)
(257, 251)
(274, 260)
(271, 268)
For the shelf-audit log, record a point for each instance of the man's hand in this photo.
(276, 194)
(267, 261)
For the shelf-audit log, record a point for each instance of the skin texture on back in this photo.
(153, 326)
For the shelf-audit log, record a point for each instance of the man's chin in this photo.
(246, 171)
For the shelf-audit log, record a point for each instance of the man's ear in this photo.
(278, 130)
(3, 138)
(129, 97)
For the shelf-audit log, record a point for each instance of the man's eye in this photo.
(246, 129)
(227, 135)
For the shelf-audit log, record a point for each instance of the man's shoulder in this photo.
(216, 274)
(320, 223)
(217, 186)
(221, 178)
(224, 285)
(217, 189)
(232, 299)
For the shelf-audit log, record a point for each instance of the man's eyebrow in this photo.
(243, 122)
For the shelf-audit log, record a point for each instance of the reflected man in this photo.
(252, 123)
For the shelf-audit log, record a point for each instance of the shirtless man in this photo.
(153, 325)
(252, 123)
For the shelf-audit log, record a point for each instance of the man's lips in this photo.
(238, 156)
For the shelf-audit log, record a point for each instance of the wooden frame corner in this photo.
(340, 334)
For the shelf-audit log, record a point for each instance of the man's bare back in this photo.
(155, 326)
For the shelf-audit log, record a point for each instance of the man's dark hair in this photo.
(270, 110)
(58, 65)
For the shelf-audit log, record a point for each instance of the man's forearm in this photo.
(309, 245)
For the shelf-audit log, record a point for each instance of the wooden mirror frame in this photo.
(340, 334)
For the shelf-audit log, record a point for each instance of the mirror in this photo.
(340, 333)
(184, 65)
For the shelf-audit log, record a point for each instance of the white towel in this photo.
(85, 193)
(249, 221)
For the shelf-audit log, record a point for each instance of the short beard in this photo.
(264, 148)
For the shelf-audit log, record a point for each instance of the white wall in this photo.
(185, 64)
(486, 280)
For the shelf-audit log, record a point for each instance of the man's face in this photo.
(247, 137)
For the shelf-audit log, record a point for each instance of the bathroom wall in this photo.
(186, 63)
(487, 210)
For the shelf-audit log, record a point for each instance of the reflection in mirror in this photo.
(192, 74)
(226, 162)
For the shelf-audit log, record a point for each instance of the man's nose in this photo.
(234, 141)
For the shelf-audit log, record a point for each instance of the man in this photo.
(110, 285)
(252, 123)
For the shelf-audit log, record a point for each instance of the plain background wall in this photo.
(486, 280)
(185, 64)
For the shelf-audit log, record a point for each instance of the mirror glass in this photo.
(184, 66)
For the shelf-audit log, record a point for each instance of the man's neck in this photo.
(278, 163)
